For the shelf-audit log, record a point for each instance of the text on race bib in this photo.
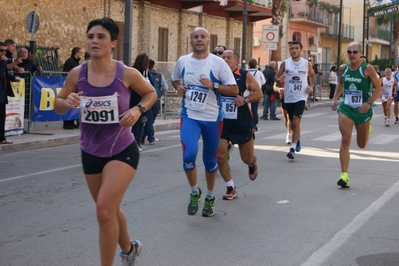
(230, 110)
(196, 97)
(353, 99)
(99, 110)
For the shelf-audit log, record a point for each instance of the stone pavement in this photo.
(51, 134)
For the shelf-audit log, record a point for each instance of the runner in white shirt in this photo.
(294, 71)
(199, 78)
(389, 86)
(260, 79)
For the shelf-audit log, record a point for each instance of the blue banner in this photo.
(44, 90)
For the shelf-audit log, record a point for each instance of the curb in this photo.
(38, 144)
(54, 140)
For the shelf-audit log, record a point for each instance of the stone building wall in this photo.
(63, 24)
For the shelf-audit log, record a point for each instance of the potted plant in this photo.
(312, 2)
(335, 9)
(301, 14)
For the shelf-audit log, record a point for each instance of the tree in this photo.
(385, 20)
(279, 8)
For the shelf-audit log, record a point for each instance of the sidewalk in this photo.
(51, 134)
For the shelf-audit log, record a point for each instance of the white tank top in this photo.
(296, 83)
(387, 87)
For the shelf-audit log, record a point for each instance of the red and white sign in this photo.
(270, 33)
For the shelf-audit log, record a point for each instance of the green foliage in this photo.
(286, 5)
(335, 9)
(382, 63)
(312, 2)
(342, 58)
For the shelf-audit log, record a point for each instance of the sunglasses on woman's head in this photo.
(217, 52)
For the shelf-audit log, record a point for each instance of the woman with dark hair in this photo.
(141, 63)
(101, 89)
(333, 81)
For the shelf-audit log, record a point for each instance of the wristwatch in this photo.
(142, 108)
(215, 86)
(369, 102)
(246, 100)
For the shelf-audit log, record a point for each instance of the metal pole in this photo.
(127, 33)
(364, 25)
(339, 33)
(244, 34)
(390, 42)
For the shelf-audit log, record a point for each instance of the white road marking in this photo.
(341, 237)
(283, 135)
(313, 114)
(39, 173)
(383, 139)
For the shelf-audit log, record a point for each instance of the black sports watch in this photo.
(246, 100)
(369, 102)
(215, 86)
(142, 108)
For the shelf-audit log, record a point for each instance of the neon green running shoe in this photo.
(370, 129)
(344, 180)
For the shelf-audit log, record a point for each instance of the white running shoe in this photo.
(288, 139)
(387, 122)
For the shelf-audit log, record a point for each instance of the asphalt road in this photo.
(48, 218)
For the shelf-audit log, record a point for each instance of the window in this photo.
(237, 44)
(118, 50)
(214, 41)
(163, 34)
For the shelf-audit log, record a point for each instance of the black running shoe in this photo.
(291, 154)
(192, 208)
(209, 207)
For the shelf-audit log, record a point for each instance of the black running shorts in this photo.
(94, 165)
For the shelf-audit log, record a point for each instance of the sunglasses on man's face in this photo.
(352, 51)
(3, 50)
(217, 52)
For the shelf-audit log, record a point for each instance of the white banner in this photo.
(15, 110)
(378, 3)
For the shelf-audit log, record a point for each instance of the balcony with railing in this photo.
(256, 9)
(347, 32)
(311, 13)
(380, 34)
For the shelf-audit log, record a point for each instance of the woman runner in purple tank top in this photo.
(101, 89)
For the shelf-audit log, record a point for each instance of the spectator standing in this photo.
(5, 91)
(161, 87)
(260, 79)
(270, 96)
(70, 63)
(12, 63)
(87, 56)
(28, 61)
(141, 63)
(332, 81)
